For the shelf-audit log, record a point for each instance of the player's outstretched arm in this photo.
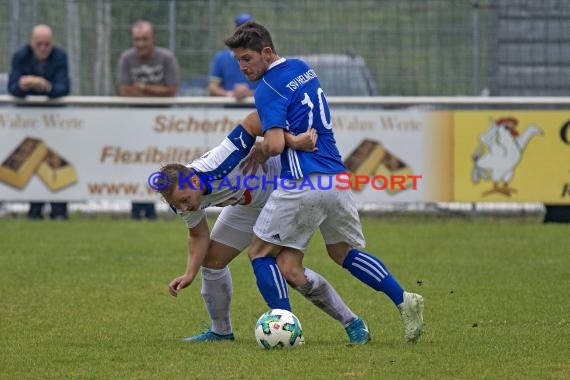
(198, 243)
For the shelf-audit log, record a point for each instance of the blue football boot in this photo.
(358, 332)
(208, 336)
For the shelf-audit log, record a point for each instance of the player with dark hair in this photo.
(289, 98)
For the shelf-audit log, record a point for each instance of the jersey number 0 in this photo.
(322, 101)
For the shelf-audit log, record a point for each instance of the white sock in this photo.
(324, 296)
(217, 290)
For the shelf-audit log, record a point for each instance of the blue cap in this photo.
(242, 18)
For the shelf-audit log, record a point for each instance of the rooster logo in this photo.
(499, 152)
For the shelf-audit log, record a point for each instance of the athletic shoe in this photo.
(358, 332)
(208, 336)
(411, 313)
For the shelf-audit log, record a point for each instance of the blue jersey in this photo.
(289, 96)
(225, 68)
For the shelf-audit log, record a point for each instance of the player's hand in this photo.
(306, 141)
(178, 284)
(254, 159)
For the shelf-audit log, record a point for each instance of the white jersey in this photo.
(225, 182)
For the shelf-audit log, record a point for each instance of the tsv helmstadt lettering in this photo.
(301, 79)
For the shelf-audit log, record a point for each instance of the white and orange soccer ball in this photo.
(278, 328)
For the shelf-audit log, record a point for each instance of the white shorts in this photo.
(291, 217)
(234, 226)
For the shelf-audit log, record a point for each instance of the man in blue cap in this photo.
(226, 79)
(242, 18)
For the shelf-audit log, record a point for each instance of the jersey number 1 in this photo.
(307, 101)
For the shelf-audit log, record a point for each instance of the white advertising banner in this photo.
(406, 155)
(76, 154)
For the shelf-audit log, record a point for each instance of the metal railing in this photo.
(335, 100)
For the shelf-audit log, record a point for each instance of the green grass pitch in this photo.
(88, 299)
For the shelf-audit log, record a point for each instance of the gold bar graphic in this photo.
(20, 165)
(56, 172)
(364, 160)
(392, 166)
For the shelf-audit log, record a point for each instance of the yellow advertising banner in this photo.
(511, 156)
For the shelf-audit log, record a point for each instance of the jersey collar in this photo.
(278, 62)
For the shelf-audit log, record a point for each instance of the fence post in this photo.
(475, 46)
(14, 25)
(172, 25)
(74, 46)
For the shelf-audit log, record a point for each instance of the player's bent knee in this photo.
(219, 255)
(338, 251)
(215, 262)
(294, 276)
(261, 248)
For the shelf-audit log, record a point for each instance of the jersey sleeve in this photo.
(271, 106)
(171, 70)
(123, 74)
(224, 158)
(15, 75)
(216, 69)
(192, 218)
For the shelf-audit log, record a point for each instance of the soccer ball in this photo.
(278, 328)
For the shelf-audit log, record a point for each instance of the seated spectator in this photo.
(40, 68)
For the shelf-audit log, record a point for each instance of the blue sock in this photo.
(271, 283)
(373, 273)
